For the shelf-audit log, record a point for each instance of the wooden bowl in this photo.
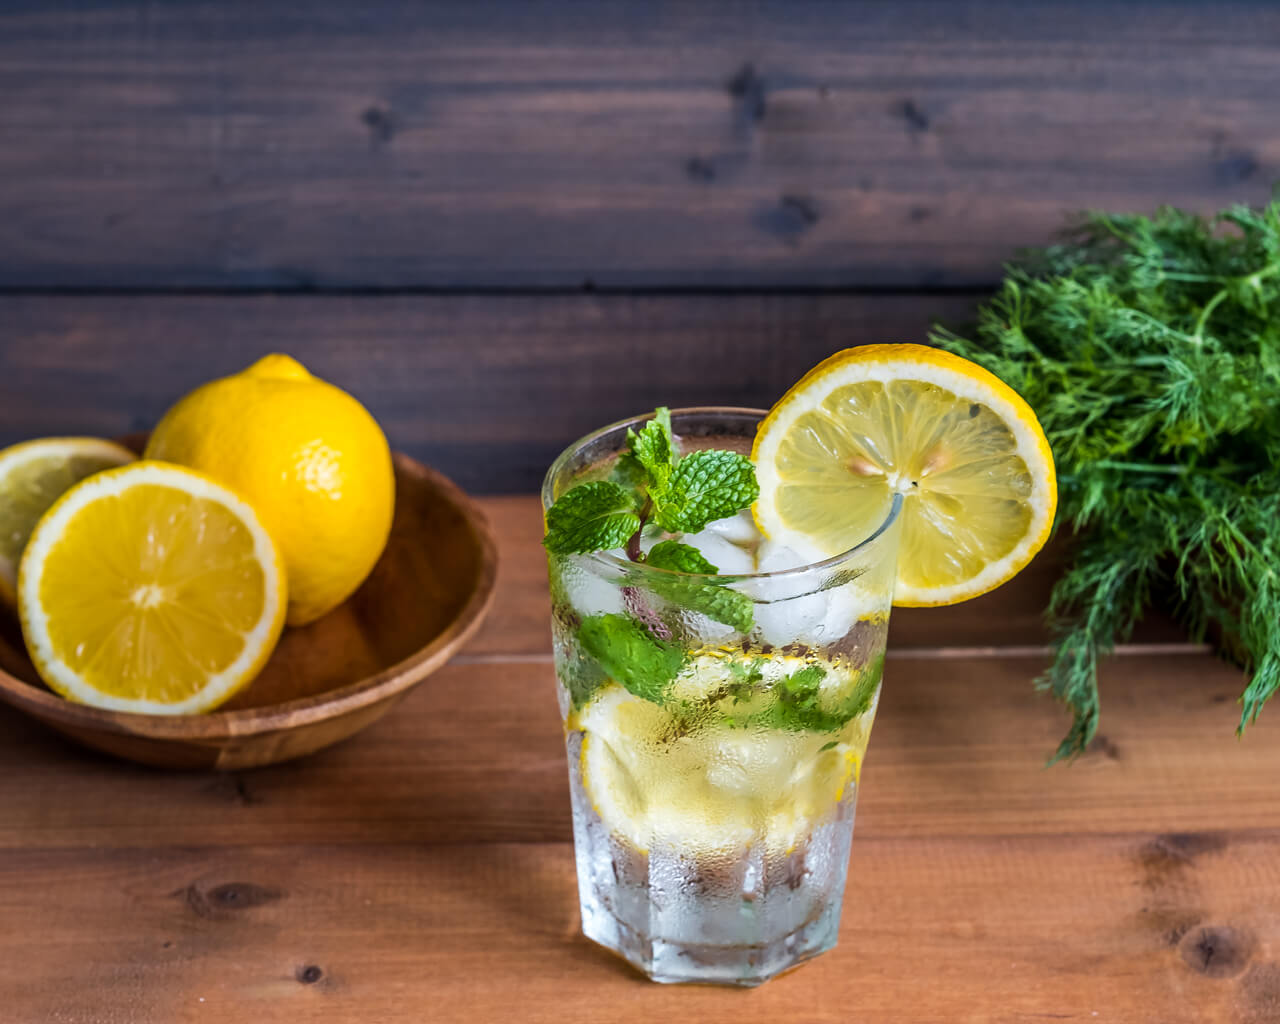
(425, 597)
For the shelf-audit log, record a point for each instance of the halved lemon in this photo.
(963, 449)
(150, 588)
(706, 787)
(33, 475)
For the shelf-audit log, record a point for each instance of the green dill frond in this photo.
(1149, 348)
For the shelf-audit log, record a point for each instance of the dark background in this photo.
(503, 224)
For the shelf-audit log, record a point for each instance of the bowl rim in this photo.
(217, 726)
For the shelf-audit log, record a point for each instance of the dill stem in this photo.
(1141, 467)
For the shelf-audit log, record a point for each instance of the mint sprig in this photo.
(654, 448)
(650, 481)
(703, 487)
(591, 517)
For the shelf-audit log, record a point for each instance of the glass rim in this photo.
(614, 562)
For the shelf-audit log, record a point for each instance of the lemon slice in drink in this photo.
(963, 449)
(703, 785)
(33, 475)
(150, 588)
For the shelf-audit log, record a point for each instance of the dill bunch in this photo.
(1149, 348)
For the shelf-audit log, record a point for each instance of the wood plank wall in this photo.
(503, 223)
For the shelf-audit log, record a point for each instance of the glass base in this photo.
(684, 963)
(728, 917)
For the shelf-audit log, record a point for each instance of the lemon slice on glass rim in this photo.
(150, 588)
(963, 449)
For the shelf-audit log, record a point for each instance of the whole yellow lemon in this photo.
(308, 457)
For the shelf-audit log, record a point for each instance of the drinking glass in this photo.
(715, 728)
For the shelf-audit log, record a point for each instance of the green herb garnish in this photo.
(798, 706)
(1150, 351)
(591, 517)
(650, 483)
(629, 653)
(711, 599)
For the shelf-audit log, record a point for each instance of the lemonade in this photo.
(714, 768)
(721, 582)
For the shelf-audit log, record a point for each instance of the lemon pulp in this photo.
(150, 588)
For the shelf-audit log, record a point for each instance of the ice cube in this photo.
(739, 529)
(588, 592)
(789, 614)
(728, 558)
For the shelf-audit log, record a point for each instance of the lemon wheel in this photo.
(150, 588)
(963, 449)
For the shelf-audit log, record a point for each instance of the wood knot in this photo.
(700, 169)
(1175, 850)
(790, 218)
(382, 124)
(748, 91)
(226, 900)
(235, 788)
(1217, 951)
(916, 119)
(309, 974)
(1235, 168)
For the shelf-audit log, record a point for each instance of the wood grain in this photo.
(532, 144)
(487, 389)
(1127, 928)
(476, 754)
(423, 870)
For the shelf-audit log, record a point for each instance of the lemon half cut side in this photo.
(33, 475)
(150, 588)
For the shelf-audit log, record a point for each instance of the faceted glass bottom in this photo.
(675, 962)
(736, 918)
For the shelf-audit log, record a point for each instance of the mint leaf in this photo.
(671, 554)
(591, 517)
(626, 651)
(722, 605)
(797, 705)
(581, 676)
(653, 448)
(747, 679)
(860, 697)
(713, 600)
(628, 473)
(703, 487)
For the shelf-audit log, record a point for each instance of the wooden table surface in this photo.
(501, 223)
(424, 872)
